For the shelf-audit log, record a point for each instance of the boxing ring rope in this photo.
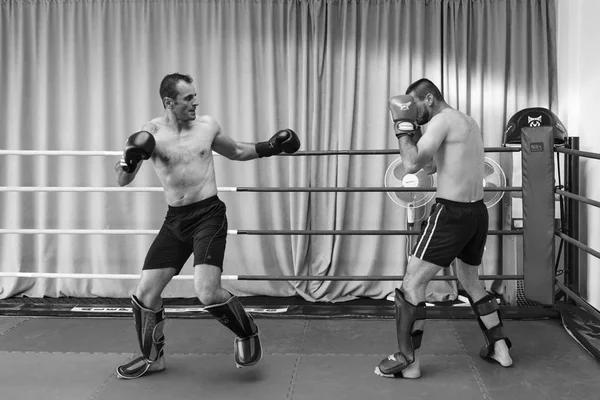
(574, 197)
(578, 198)
(280, 232)
(233, 232)
(60, 153)
(115, 153)
(579, 153)
(284, 278)
(235, 189)
(572, 258)
(578, 244)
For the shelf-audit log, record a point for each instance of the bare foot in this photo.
(413, 371)
(158, 365)
(501, 353)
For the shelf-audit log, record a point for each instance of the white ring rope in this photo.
(59, 153)
(94, 189)
(55, 275)
(64, 153)
(89, 231)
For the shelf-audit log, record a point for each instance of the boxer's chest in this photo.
(186, 148)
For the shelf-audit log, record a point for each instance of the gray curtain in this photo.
(84, 75)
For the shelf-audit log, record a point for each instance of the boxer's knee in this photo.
(151, 285)
(418, 275)
(207, 285)
(209, 294)
(208, 298)
(149, 297)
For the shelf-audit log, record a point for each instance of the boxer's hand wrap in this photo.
(285, 140)
(403, 112)
(138, 147)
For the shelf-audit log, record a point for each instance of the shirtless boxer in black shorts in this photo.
(456, 228)
(180, 146)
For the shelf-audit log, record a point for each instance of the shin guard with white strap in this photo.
(409, 337)
(486, 306)
(149, 326)
(247, 346)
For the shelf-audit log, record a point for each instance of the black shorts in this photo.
(453, 230)
(199, 227)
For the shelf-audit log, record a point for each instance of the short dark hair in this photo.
(424, 86)
(168, 86)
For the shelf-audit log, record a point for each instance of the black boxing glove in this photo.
(285, 140)
(138, 147)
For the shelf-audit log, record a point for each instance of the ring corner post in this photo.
(538, 214)
(572, 210)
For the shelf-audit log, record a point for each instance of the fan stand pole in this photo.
(410, 222)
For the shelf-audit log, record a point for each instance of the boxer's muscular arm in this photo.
(227, 147)
(124, 178)
(416, 155)
(430, 168)
(285, 140)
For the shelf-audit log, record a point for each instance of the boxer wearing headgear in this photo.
(456, 228)
(180, 146)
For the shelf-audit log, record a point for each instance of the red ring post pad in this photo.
(537, 150)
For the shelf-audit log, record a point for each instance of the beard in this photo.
(424, 117)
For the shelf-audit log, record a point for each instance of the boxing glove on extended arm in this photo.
(285, 140)
(403, 112)
(138, 147)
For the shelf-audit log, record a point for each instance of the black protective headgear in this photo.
(532, 118)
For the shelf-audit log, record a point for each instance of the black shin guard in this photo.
(486, 306)
(149, 326)
(247, 346)
(409, 337)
